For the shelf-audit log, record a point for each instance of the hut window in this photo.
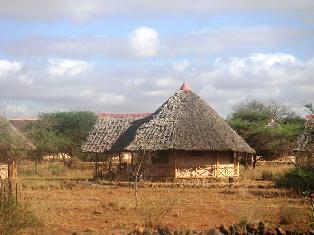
(161, 158)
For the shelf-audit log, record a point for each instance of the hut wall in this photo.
(206, 164)
(195, 164)
(6, 169)
(3, 171)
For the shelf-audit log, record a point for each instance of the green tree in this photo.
(270, 128)
(61, 132)
(74, 126)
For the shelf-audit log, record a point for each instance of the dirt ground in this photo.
(85, 207)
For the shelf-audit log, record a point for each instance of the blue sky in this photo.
(130, 56)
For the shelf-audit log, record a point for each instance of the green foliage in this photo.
(300, 179)
(252, 122)
(15, 217)
(60, 132)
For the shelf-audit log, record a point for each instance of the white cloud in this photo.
(260, 76)
(111, 99)
(135, 88)
(66, 67)
(8, 67)
(17, 111)
(77, 10)
(82, 9)
(144, 42)
(180, 66)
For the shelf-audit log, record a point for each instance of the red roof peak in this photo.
(309, 116)
(185, 87)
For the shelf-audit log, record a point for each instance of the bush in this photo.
(300, 179)
(267, 175)
(14, 217)
(57, 170)
(153, 212)
(287, 215)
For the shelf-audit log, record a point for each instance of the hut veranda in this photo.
(184, 138)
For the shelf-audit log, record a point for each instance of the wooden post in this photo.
(10, 177)
(110, 166)
(16, 194)
(175, 164)
(236, 164)
(217, 166)
(96, 165)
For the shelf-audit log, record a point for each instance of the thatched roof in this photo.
(9, 133)
(183, 122)
(186, 122)
(112, 133)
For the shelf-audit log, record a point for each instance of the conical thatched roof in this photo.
(11, 137)
(186, 122)
(183, 122)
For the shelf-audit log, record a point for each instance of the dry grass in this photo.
(54, 170)
(68, 206)
(260, 170)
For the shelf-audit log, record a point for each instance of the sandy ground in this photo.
(66, 207)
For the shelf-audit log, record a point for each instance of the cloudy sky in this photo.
(130, 56)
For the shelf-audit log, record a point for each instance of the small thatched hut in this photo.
(184, 138)
(12, 145)
(305, 145)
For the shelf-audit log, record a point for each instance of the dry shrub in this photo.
(153, 211)
(265, 171)
(267, 175)
(287, 214)
(14, 218)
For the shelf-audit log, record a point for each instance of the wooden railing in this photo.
(208, 171)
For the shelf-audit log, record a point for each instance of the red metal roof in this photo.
(310, 116)
(122, 115)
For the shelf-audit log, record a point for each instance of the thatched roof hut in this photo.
(183, 125)
(13, 144)
(10, 137)
(186, 122)
(183, 122)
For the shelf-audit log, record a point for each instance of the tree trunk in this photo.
(36, 168)
(10, 177)
(96, 166)
(254, 161)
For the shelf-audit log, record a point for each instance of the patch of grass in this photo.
(55, 169)
(153, 211)
(287, 214)
(263, 170)
(267, 175)
(300, 179)
(14, 217)
(243, 222)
